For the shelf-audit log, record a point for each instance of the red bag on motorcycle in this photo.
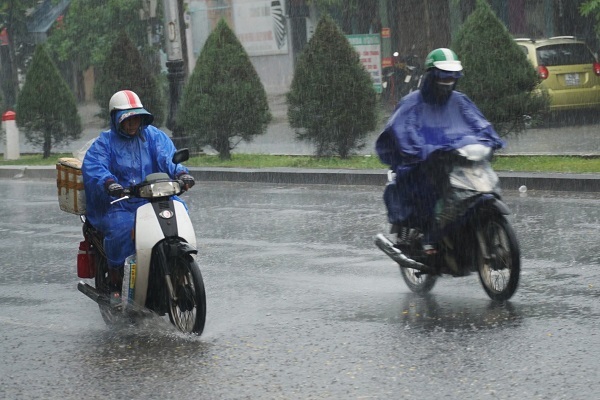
(86, 266)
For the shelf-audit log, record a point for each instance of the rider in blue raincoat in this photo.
(120, 157)
(425, 124)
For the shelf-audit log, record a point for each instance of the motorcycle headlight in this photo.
(160, 189)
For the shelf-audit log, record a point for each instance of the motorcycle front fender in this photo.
(494, 203)
(169, 249)
(186, 248)
(485, 205)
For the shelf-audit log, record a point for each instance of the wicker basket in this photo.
(71, 194)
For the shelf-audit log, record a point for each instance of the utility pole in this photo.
(427, 17)
(386, 34)
(175, 67)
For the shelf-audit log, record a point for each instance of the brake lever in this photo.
(119, 199)
(126, 193)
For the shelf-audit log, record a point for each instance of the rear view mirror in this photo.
(181, 156)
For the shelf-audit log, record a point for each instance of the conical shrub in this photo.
(46, 108)
(224, 100)
(123, 68)
(497, 75)
(332, 102)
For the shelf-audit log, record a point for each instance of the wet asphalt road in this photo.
(301, 305)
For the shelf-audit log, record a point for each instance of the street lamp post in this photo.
(148, 13)
(175, 67)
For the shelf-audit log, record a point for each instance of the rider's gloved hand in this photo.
(113, 188)
(188, 180)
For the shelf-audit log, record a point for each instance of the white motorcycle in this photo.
(162, 276)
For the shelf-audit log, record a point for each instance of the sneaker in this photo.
(429, 249)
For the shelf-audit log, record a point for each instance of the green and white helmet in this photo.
(444, 59)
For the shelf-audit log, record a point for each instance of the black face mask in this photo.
(443, 92)
(433, 92)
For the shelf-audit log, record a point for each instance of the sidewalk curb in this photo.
(301, 176)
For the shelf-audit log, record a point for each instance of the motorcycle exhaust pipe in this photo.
(395, 254)
(92, 293)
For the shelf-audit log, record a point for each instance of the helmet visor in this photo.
(446, 76)
(147, 118)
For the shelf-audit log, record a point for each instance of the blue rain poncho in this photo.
(127, 160)
(418, 129)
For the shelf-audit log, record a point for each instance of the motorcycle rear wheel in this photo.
(417, 282)
(188, 311)
(499, 275)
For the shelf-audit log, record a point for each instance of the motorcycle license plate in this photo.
(407, 79)
(572, 79)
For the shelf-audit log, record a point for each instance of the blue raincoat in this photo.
(126, 160)
(415, 131)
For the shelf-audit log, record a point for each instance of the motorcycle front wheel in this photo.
(417, 282)
(188, 310)
(499, 258)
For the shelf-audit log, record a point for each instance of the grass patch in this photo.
(36, 160)
(269, 161)
(561, 164)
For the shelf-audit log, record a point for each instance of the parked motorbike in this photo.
(476, 234)
(162, 277)
(403, 77)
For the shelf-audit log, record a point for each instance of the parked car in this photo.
(569, 70)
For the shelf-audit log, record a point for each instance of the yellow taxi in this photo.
(569, 70)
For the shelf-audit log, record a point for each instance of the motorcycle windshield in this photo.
(477, 176)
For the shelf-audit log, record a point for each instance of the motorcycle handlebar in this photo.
(133, 191)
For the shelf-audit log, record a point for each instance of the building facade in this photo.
(274, 33)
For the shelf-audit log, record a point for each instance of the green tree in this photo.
(2, 104)
(123, 69)
(46, 108)
(13, 17)
(224, 100)
(591, 8)
(91, 26)
(497, 76)
(331, 102)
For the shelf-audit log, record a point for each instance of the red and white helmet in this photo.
(124, 100)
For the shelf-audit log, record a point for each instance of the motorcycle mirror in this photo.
(181, 156)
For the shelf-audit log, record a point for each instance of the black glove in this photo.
(439, 163)
(188, 180)
(113, 188)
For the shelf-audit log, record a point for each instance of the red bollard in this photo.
(9, 123)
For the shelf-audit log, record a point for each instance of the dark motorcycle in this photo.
(401, 78)
(476, 235)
